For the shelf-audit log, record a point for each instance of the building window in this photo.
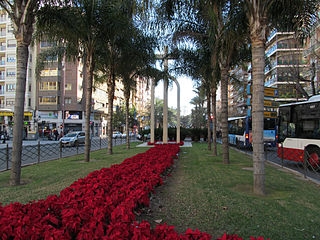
(11, 73)
(52, 58)
(10, 102)
(11, 87)
(68, 86)
(47, 100)
(11, 58)
(49, 73)
(11, 43)
(48, 86)
(45, 44)
(2, 31)
(67, 100)
(10, 28)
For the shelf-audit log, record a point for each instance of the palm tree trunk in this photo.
(214, 120)
(209, 118)
(88, 104)
(22, 62)
(258, 63)
(127, 97)
(224, 115)
(84, 80)
(111, 86)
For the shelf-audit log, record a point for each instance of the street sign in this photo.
(270, 114)
(273, 104)
(268, 91)
(267, 103)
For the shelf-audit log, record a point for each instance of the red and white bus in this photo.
(299, 131)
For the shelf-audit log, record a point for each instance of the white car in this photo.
(116, 135)
(73, 139)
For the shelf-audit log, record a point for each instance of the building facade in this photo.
(285, 65)
(8, 73)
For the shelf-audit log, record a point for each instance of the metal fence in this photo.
(39, 152)
(305, 162)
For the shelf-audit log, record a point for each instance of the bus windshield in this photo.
(299, 121)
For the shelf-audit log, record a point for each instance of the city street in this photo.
(34, 152)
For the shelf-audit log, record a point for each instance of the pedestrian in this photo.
(4, 136)
(56, 134)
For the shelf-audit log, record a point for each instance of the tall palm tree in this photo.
(136, 61)
(229, 36)
(195, 64)
(263, 14)
(22, 15)
(82, 26)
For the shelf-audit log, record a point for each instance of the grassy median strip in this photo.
(201, 193)
(47, 178)
(204, 193)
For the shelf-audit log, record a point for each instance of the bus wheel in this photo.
(314, 158)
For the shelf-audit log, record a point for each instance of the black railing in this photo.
(39, 152)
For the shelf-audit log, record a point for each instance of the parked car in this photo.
(116, 135)
(73, 139)
(139, 137)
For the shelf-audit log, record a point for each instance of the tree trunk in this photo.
(209, 118)
(111, 86)
(224, 115)
(88, 103)
(22, 62)
(258, 64)
(214, 120)
(127, 97)
(84, 80)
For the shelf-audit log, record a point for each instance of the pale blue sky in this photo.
(186, 94)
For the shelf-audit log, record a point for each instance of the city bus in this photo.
(240, 131)
(299, 130)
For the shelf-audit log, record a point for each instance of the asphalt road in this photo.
(34, 152)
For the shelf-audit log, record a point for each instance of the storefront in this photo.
(73, 121)
(47, 123)
(6, 122)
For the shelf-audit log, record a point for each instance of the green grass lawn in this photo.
(47, 178)
(206, 194)
(202, 193)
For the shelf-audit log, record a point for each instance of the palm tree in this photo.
(22, 15)
(136, 61)
(194, 63)
(82, 26)
(263, 14)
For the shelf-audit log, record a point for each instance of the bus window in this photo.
(269, 123)
(291, 130)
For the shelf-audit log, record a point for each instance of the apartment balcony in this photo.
(312, 49)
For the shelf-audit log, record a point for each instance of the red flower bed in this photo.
(99, 206)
